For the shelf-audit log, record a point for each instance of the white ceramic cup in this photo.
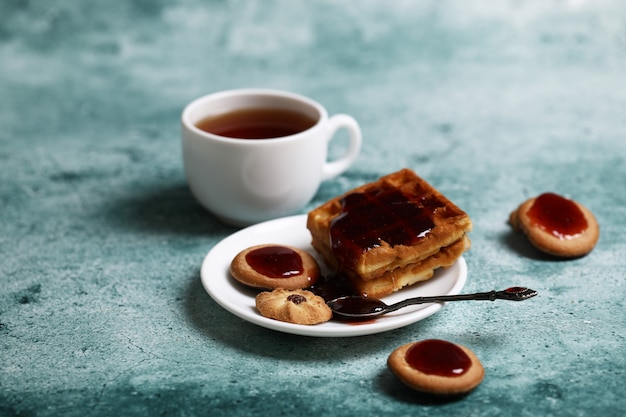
(245, 181)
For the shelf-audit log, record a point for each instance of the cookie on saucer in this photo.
(293, 306)
(270, 266)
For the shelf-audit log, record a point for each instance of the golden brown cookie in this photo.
(293, 306)
(436, 367)
(557, 225)
(272, 266)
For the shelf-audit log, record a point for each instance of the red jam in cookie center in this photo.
(438, 357)
(557, 215)
(275, 261)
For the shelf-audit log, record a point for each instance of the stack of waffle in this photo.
(390, 233)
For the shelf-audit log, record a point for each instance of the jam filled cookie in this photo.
(557, 225)
(275, 266)
(293, 306)
(436, 367)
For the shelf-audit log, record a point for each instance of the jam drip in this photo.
(438, 357)
(383, 213)
(275, 261)
(557, 215)
(333, 286)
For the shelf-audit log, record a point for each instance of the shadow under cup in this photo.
(250, 178)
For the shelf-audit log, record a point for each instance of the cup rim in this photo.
(191, 126)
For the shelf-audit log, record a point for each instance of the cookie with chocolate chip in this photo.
(293, 306)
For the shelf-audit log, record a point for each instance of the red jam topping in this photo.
(275, 261)
(557, 215)
(399, 217)
(515, 290)
(438, 357)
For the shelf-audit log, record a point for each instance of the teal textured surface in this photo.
(101, 307)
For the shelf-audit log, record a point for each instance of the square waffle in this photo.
(394, 232)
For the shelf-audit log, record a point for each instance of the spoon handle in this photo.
(512, 294)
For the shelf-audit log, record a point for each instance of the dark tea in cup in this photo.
(257, 123)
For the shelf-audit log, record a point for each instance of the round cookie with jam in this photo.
(557, 225)
(293, 306)
(436, 367)
(272, 266)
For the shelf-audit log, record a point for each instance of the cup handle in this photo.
(333, 168)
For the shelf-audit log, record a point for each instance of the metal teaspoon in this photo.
(360, 307)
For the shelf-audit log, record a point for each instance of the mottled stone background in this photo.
(101, 307)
